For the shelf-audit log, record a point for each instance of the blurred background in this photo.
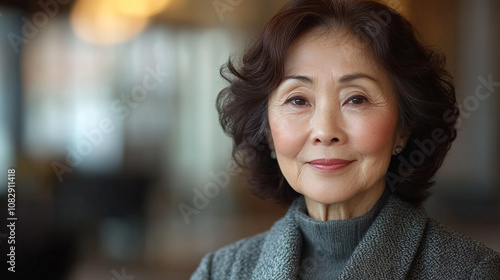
(107, 112)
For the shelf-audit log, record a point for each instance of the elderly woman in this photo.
(337, 110)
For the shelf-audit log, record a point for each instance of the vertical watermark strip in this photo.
(11, 219)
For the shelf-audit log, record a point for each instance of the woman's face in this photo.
(333, 119)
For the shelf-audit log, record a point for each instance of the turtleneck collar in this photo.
(331, 243)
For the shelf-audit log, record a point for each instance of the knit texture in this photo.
(328, 245)
(402, 243)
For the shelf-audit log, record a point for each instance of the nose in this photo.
(327, 127)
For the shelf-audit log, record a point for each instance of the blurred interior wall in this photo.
(468, 184)
(171, 135)
(472, 169)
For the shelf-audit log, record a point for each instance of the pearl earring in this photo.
(398, 150)
(273, 154)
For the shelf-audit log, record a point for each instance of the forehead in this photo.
(331, 50)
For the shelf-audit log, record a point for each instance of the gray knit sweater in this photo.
(402, 243)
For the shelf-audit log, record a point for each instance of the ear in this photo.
(269, 138)
(401, 138)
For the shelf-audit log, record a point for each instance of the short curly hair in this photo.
(426, 95)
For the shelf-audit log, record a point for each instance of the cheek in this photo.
(375, 135)
(288, 135)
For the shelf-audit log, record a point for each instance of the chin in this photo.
(330, 196)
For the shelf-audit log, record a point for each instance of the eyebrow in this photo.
(343, 80)
(351, 77)
(301, 78)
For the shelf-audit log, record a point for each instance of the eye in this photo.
(357, 100)
(297, 100)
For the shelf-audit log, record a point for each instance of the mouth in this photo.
(329, 165)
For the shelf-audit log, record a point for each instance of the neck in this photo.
(352, 208)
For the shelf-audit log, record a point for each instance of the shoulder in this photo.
(442, 240)
(244, 252)
(251, 256)
(434, 250)
(239, 257)
(451, 253)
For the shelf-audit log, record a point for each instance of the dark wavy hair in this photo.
(426, 95)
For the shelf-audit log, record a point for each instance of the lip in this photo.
(329, 165)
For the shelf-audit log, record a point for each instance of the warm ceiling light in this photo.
(141, 8)
(102, 22)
